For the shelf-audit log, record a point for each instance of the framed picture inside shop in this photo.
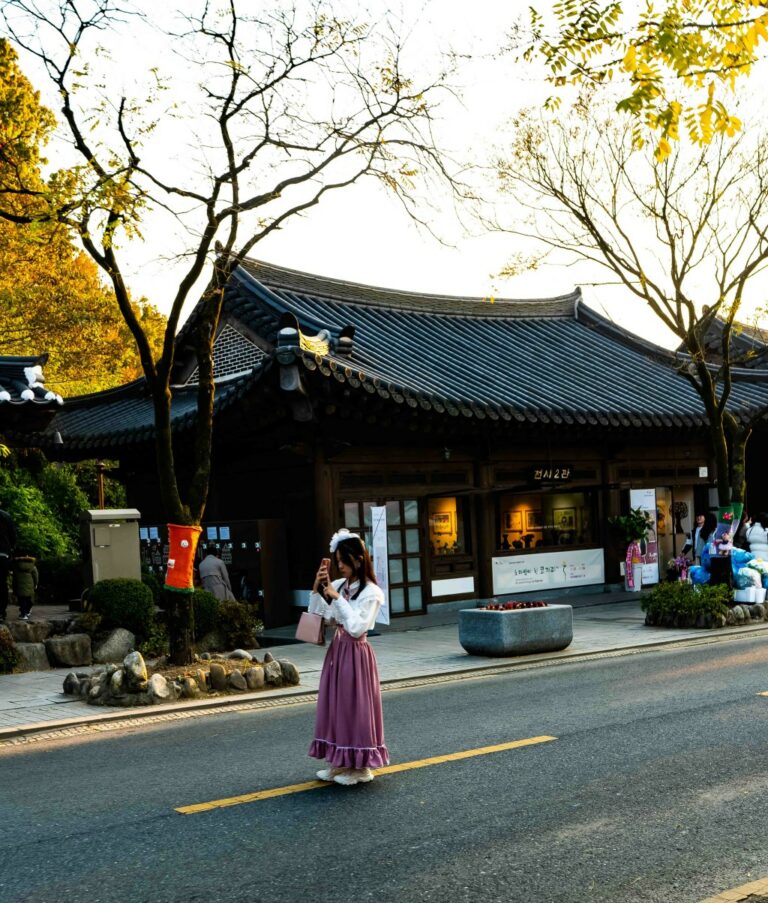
(533, 520)
(442, 522)
(564, 518)
(513, 520)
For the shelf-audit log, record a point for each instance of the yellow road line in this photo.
(389, 769)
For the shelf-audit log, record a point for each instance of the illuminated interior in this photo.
(537, 521)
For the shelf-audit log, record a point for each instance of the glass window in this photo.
(396, 570)
(394, 542)
(414, 598)
(411, 540)
(538, 521)
(393, 513)
(397, 600)
(448, 533)
(411, 511)
(414, 570)
(351, 515)
(367, 512)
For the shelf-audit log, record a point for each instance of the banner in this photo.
(547, 571)
(380, 558)
(645, 500)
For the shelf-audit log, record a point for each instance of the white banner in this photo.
(645, 499)
(547, 571)
(380, 558)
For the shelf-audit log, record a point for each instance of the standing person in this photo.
(24, 579)
(696, 539)
(740, 539)
(7, 545)
(349, 727)
(214, 575)
(757, 537)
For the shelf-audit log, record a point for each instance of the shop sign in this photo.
(551, 473)
(547, 571)
(645, 500)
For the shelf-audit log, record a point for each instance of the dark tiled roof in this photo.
(25, 403)
(542, 360)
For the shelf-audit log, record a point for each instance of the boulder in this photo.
(30, 631)
(159, 688)
(268, 657)
(115, 646)
(190, 688)
(72, 684)
(273, 673)
(135, 672)
(129, 700)
(60, 626)
(211, 642)
(201, 679)
(237, 681)
(254, 677)
(69, 651)
(289, 671)
(757, 612)
(33, 657)
(730, 617)
(218, 677)
(116, 681)
(241, 654)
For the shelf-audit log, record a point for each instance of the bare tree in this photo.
(686, 236)
(292, 105)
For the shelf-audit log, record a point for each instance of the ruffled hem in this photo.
(349, 756)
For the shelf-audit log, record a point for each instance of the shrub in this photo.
(156, 641)
(239, 624)
(206, 610)
(149, 579)
(89, 622)
(682, 605)
(9, 657)
(61, 579)
(124, 602)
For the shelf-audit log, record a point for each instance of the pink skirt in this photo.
(349, 727)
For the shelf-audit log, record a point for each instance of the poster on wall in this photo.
(645, 500)
(547, 571)
(380, 558)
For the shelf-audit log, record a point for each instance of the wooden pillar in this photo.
(485, 518)
(326, 514)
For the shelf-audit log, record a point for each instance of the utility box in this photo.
(111, 543)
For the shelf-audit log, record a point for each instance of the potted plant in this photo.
(634, 529)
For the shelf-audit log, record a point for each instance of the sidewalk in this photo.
(420, 647)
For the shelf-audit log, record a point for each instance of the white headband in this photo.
(343, 534)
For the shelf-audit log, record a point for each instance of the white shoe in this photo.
(354, 776)
(329, 774)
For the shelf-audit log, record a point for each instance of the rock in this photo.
(60, 626)
(116, 681)
(241, 654)
(135, 670)
(69, 651)
(206, 656)
(273, 673)
(218, 677)
(720, 620)
(730, 617)
(237, 680)
(115, 647)
(757, 611)
(33, 657)
(190, 688)
(158, 688)
(129, 700)
(741, 614)
(268, 657)
(5, 634)
(85, 686)
(30, 631)
(254, 677)
(218, 657)
(289, 671)
(72, 684)
(201, 679)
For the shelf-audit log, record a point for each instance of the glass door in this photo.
(404, 550)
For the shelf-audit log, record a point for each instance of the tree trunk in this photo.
(739, 436)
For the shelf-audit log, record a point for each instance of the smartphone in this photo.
(326, 562)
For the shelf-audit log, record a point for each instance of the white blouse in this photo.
(356, 616)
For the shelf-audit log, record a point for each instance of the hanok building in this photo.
(499, 436)
(25, 404)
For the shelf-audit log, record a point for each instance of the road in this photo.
(655, 789)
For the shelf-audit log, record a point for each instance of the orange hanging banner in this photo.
(182, 543)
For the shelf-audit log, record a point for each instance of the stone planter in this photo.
(521, 632)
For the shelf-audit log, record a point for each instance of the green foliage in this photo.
(156, 641)
(149, 579)
(676, 604)
(206, 611)
(633, 526)
(9, 657)
(38, 527)
(65, 498)
(239, 624)
(123, 602)
(86, 476)
(61, 579)
(89, 622)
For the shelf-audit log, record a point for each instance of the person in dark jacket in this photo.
(24, 578)
(7, 545)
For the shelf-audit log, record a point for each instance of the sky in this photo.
(362, 233)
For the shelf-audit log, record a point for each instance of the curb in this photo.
(10, 733)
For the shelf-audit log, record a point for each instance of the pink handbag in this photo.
(311, 629)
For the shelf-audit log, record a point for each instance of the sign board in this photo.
(645, 500)
(547, 571)
(380, 558)
(551, 473)
(703, 471)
